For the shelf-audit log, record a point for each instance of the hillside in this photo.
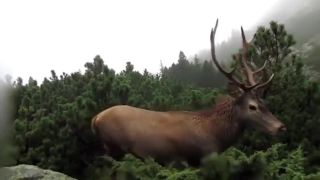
(301, 20)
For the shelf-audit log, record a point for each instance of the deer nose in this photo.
(282, 128)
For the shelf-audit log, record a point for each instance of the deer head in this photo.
(249, 106)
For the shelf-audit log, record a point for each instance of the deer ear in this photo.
(234, 90)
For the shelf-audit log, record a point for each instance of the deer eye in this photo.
(252, 107)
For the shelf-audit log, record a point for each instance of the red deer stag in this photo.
(182, 135)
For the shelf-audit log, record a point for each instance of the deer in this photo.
(189, 136)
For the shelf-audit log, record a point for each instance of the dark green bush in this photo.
(52, 119)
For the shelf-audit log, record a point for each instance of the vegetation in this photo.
(52, 119)
(195, 73)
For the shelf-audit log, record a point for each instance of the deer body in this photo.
(166, 136)
(182, 135)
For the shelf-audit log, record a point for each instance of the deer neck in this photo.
(224, 126)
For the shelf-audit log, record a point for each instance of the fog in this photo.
(300, 17)
(5, 126)
(38, 36)
(131, 41)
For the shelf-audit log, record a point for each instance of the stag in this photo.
(186, 135)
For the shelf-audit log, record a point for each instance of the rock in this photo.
(30, 172)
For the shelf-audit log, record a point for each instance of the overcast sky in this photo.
(38, 35)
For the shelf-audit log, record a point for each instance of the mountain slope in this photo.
(301, 19)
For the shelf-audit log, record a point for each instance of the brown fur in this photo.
(222, 123)
(167, 135)
(93, 127)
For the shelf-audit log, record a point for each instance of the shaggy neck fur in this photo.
(222, 123)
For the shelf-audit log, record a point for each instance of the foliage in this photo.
(293, 95)
(274, 163)
(52, 125)
(52, 119)
(193, 72)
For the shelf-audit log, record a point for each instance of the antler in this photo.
(249, 72)
(244, 62)
(229, 75)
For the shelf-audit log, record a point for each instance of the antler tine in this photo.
(261, 68)
(265, 83)
(249, 73)
(213, 54)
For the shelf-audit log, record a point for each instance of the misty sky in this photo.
(37, 35)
